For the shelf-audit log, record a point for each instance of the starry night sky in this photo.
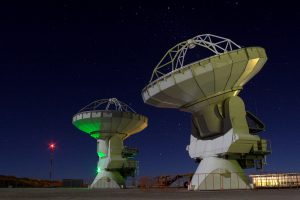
(59, 56)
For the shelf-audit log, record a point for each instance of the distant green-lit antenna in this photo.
(110, 122)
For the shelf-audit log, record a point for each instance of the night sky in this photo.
(57, 57)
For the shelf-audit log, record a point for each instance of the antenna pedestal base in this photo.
(106, 179)
(217, 173)
(115, 163)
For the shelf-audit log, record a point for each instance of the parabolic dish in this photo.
(101, 124)
(205, 81)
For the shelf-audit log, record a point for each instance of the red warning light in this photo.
(52, 146)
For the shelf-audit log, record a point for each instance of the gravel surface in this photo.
(157, 194)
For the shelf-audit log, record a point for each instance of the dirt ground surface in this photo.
(157, 194)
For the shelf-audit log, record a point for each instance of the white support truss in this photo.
(108, 104)
(174, 58)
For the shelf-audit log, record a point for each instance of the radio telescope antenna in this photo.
(110, 122)
(224, 135)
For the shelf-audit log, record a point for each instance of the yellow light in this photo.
(247, 73)
(276, 180)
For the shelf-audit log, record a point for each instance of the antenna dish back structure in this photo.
(224, 136)
(110, 122)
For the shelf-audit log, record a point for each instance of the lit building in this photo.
(280, 180)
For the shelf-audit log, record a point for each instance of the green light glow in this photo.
(101, 154)
(90, 126)
(95, 135)
(98, 170)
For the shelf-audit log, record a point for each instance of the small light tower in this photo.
(51, 147)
